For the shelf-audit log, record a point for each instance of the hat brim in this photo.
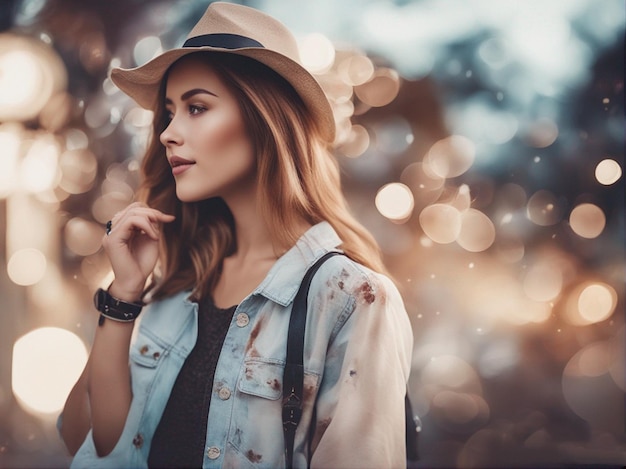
(142, 83)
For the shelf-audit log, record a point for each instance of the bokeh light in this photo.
(587, 220)
(30, 73)
(424, 183)
(146, 49)
(589, 390)
(395, 201)
(39, 169)
(26, 266)
(451, 156)
(356, 70)
(83, 237)
(46, 364)
(357, 142)
(317, 53)
(137, 118)
(544, 209)
(477, 231)
(460, 412)
(589, 302)
(608, 172)
(78, 169)
(597, 302)
(441, 223)
(380, 89)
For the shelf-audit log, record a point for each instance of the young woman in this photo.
(240, 197)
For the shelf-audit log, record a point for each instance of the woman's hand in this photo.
(133, 248)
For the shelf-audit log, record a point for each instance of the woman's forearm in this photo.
(109, 386)
(76, 420)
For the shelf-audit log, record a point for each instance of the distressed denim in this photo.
(357, 358)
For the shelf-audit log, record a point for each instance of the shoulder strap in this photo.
(293, 377)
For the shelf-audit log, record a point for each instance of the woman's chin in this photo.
(187, 197)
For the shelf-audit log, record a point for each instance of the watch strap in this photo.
(114, 308)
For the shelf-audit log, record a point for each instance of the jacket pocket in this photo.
(260, 400)
(262, 378)
(146, 352)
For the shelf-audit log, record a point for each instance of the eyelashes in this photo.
(192, 110)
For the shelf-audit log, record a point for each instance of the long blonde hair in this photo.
(298, 180)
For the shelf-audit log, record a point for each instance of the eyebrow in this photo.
(188, 94)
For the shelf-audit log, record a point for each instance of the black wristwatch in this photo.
(114, 308)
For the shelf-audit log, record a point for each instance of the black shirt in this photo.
(179, 438)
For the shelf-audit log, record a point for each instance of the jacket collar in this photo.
(283, 280)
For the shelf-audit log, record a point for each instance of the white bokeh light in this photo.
(46, 364)
(608, 172)
(395, 201)
(317, 53)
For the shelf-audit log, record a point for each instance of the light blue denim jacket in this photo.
(357, 358)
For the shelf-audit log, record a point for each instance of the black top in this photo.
(180, 436)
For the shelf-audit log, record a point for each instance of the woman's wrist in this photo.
(115, 308)
(127, 293)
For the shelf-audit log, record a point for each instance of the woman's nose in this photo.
(170, 136)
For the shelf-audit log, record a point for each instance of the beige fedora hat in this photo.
(234, 29)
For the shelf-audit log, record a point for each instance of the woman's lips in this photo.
(180, 165)
(176, 170)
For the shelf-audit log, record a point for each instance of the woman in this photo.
(240, 196)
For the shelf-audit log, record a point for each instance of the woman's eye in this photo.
(193, 109)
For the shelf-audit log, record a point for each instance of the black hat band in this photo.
(222, 40)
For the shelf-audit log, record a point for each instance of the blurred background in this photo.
(481, 141)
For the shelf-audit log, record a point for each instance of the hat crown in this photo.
(228, 18)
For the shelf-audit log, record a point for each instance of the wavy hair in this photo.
(298, 180)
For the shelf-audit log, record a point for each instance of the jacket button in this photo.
(242, 319)
(138, 441)
(213, 452)
(224, 394)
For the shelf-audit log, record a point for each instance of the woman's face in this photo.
(206, 140)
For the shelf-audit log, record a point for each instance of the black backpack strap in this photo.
(293, 377)
(413, 426)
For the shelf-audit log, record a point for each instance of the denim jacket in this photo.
(357, 359)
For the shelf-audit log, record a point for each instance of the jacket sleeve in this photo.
(360, 406)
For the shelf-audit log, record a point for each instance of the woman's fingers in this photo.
(130, 225)
(151, 213)
(132, 248)
(135, 216)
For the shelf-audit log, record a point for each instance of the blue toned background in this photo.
(481, 141)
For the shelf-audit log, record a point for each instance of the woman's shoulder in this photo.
(356, 279)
